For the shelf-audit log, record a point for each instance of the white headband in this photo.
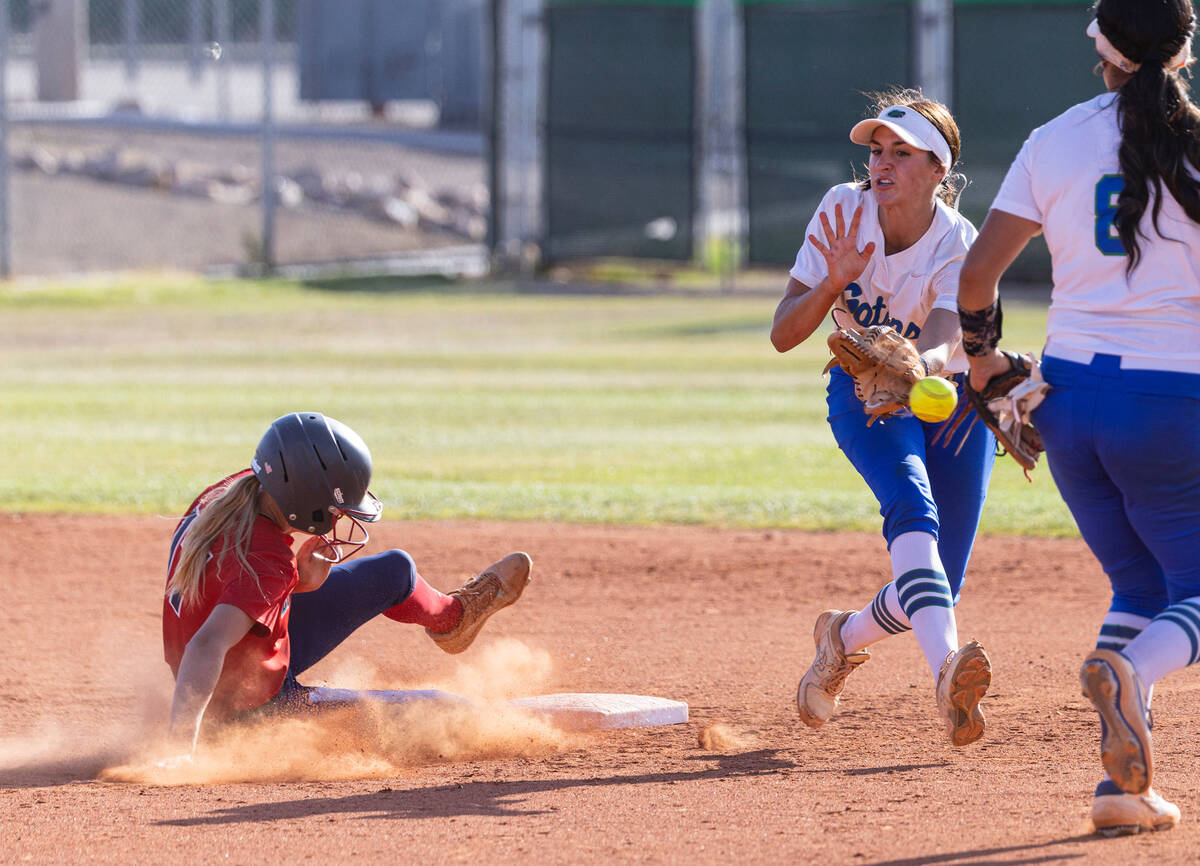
(913, 128)
(1106, 50)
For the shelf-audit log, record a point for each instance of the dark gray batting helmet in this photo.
(316, 468)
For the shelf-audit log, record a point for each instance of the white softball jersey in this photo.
(901, 289)
(1066, 177)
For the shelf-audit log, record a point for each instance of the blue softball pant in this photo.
(920, 487)
(1124, 449)
(354, 593)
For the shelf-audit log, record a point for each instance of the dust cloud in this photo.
(368, 739)
(722, 738)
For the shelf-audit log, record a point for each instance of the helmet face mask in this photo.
(337, 548)
(318, 470)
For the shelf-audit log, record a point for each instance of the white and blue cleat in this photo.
(1111, 684)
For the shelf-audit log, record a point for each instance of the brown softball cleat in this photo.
(962, 683)
(500, 584)
(817, 694)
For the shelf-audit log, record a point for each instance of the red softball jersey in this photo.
(255, 666)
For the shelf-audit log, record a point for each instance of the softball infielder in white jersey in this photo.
(1112, 185)
(888, 252)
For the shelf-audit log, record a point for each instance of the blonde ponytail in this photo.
(227, 518)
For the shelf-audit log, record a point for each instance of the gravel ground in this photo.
(70, 224)
(720, 619)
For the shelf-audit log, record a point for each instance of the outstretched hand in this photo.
(843, 259)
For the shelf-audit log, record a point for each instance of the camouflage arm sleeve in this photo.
(981, 329)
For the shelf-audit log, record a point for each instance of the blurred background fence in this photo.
(458, 136)
(139, 132)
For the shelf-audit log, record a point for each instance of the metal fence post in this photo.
(493, 63)
(515, 162)
(517, 195)
(266, 25)
(59, 46)
(130, 25)
(933, 38)
(5, 201)
(221, 26)
(718, 114)
(195, 37)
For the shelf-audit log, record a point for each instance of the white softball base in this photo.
(325, 695)
(581, 711)
(576, 711)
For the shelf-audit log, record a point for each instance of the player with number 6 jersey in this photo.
(1113, 184)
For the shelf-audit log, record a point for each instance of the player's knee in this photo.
(400, 563)
(393, 571)
(904, 516)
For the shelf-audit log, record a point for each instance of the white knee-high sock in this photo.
(881, 618)
(924, 594)
(1119, 628)
(1169, 643)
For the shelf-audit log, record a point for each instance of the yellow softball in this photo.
(933, 399)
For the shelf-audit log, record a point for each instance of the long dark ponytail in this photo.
(1160, 127)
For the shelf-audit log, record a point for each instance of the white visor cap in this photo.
(912, 127)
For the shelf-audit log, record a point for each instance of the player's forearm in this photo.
(936, 359)
(199, 671)
(799, 315)
(939, 338)
(977, 289)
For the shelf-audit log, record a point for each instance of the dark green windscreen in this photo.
(620, 173)
(807, 66)
(1016, 66)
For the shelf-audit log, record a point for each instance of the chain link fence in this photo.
(457, 136)
(139, 133)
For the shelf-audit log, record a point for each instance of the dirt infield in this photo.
(720, 619)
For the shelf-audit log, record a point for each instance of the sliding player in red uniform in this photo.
(243, 614)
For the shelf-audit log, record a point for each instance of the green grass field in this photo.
(478, 400)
